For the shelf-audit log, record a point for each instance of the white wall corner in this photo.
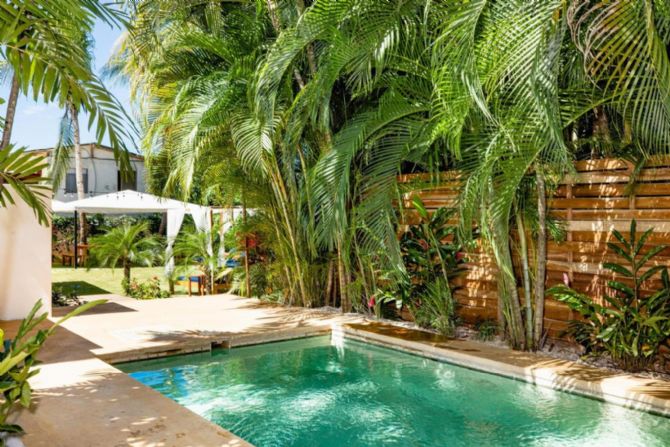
(25, 261)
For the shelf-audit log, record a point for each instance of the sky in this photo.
(36, 123)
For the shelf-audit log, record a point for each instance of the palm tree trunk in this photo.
(329, 284)
(523, 248)
(78, 169)
(345, 304)
(11, 112)
(126, 271)
(246, 250)
(541, 262)
(509, 295)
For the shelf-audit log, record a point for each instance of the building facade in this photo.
(101, 173)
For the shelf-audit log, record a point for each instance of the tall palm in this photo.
(41, 43)
(69, 147)
(325, 105)
(125, 245)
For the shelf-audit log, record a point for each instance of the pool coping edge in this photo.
(610, 390)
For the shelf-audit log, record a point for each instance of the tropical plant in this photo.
(436, 307)
(21, 174)
(320, 105)
(631, 325)
(40, 42)
(148, 290)
(487, 329)
(126, 245)
(429, 249)
(200, 248)
(18, 360)
(432, 259)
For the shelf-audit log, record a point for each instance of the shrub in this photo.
(148, 290)
(432, 259)
(436, 308)
(632, 326)
(486, 329)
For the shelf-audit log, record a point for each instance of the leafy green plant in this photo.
(127, 245)
(436, 308)
(61, 298)
(432, 260)
(201, 249)
(147, 290)
(381, 298)
(19, 358)
(486, 329)
(632, 326)
(21, 171)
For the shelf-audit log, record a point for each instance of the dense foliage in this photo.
(148, 290)
(432, 258)
(307, 111)
(630, 325)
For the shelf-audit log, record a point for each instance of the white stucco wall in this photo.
(25, 262)
(102, 173)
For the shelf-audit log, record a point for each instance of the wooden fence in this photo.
(598, 199)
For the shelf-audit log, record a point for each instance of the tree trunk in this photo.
(342, 276)
(78, 169)
(329, 284)
(126, 271)
(246, 250)
(274, 15)
(11, 112)
(541, 267)
(528, 303)
(507, 286)
(163, 225)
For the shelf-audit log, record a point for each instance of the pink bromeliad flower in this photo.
(566, 279)
(371, 302)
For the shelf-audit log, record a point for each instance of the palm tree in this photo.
(200, 248)
(21, 175)
(324, 108)
(126, 245)
(8, 124)
(41, 42)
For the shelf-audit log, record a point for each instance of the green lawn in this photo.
(102, 280)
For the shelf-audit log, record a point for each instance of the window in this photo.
(71, 182)
(127, 181)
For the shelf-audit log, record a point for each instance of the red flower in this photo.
(371, 301)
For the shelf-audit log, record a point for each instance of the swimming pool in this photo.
(313, 392)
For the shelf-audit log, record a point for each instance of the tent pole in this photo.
(76, 230)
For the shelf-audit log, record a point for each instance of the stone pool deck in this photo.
(85, 401)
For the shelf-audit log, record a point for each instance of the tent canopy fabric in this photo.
(133, 202)
(130, 202)
(59, 207)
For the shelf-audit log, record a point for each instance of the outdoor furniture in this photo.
(188, 281)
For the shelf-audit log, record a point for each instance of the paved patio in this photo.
(85, 401)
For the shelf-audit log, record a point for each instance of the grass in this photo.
(102, 280)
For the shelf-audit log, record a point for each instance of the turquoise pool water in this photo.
(311, 393)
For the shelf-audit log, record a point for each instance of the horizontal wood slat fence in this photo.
(591, 203)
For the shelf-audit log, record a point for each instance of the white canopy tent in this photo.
(133, 202)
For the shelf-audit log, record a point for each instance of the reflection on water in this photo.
(314, 393)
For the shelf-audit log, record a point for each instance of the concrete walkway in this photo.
(84, 401)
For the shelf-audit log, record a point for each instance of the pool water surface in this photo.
(316, 392)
